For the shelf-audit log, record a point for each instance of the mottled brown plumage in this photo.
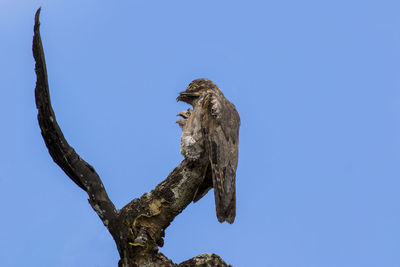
(212, 127)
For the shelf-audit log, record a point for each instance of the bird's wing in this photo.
(221, 131)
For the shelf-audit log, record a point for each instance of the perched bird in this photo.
(185, 115)
(211, 130)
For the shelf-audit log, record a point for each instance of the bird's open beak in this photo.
(184, 114)
(185, 96)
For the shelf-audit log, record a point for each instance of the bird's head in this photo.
(195, 90)
(185, 115)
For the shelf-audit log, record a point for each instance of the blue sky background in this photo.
(316, 84)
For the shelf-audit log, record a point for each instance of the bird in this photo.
(185, 115)
(211, 131)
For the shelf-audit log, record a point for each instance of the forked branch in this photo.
(138, 228)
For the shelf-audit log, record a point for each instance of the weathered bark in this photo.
(138, 228)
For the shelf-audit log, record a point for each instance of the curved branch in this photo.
(81, 172)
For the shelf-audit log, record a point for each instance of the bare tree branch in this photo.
(62, 153)
(148, 217)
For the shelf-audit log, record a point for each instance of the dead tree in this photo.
(138, 228)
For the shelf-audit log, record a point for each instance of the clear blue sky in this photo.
(317, 86)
